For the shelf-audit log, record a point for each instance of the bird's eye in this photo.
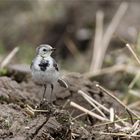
(44, 50)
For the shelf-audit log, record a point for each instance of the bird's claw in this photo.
(42, 101)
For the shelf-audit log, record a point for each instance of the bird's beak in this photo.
(53, 49)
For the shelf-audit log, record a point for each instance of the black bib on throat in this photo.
(44, 64)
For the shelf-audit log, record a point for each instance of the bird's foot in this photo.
(38, 106)
(43, 101)
(45, 105)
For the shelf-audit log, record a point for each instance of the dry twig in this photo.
(115, 98)
(32, 111)
(112, 114)
(97, 42)
(114, 69)
(112, 27)
(8, 59)
(134, 81)
(132, 51)
(117, 134)
(71, 47)
(88, 111)
(100, 105)
(88, 98)
(134, 105)
(102, 41)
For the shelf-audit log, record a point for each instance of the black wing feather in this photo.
(55, 65)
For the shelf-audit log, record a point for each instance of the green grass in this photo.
(26, 53)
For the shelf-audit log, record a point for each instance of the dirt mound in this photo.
(19, 120)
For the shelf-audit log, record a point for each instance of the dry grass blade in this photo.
(112, 114)
(134, 81)
(107, 123)
(94, 101)
(115, 98)
(88, 98)
(82, 114)
(100, 105)
(96, 43)
(138, 74)
(32, 111)
(102, 40)
(114, 69)
(132, 51)
(7, 60)
(117, 134)
(135, 93)
(136, 132)
(72, 47)
(134, 105)
(116, 121)
(88, 112)
(112, 27)
(91, 113)
(66, 103)
(136, 125)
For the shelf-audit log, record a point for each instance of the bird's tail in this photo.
(62, 83)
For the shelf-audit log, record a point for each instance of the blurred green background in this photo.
(69, 26)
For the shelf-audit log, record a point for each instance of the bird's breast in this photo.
(44, 77)
(44, 72)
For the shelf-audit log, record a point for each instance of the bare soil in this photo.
(17, 91)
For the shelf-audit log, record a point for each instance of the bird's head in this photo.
(44, 50)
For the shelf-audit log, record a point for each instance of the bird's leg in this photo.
(51, 92)
(43, 97)
(45, 87)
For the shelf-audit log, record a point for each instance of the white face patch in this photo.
(44, 50)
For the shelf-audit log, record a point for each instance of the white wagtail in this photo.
(45, 69)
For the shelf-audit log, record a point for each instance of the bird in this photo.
(45, 70)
